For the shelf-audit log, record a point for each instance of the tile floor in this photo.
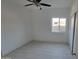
(42, 50)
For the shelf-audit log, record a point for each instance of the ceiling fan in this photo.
(37, 3)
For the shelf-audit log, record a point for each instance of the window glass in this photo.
(58, 24)
(55, 24)
(62, 21)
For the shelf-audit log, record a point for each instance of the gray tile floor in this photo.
(42, 50)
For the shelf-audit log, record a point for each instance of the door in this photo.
(75, 35)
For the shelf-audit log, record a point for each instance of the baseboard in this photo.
(50, 42)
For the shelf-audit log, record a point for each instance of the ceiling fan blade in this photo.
(38, 1)
(29, 0)
(28, 5)
(43, 4)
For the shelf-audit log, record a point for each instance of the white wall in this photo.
(42, 24)
(16, 26)
(74, 7)
(71, 31)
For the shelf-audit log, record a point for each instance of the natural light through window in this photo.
(58, 24)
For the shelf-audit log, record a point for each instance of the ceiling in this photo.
(59, 3)
(54, 3)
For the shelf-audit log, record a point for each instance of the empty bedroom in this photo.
(39, 29)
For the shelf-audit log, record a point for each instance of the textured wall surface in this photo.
(42, 25)
(16, 26)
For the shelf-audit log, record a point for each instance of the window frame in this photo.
(59, 25)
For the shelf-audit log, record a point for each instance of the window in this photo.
(58, 24)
